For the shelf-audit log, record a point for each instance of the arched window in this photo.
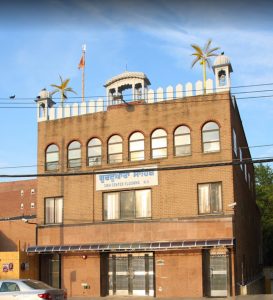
(182, 141)
(136, 146)
(115, 149)
(222, 78)
(52, 157)
(159, 144)
(41, 110)
(211, 137)
(94, 152)
(74, 155)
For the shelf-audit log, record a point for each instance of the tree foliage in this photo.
(264, 195)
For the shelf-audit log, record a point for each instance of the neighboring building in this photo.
(17, 208)
(18, 199)
(175, 219)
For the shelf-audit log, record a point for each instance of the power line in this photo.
(193, 90)
(164, 102)
(127, 159)
(166, 168)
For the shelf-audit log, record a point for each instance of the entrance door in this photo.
(50, 266)
(131, 274)
(219, 275)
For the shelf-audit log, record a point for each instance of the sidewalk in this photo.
(248, 297)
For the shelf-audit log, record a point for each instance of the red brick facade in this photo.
(17, 201)
(175, 215)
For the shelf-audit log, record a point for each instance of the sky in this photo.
(41, 40)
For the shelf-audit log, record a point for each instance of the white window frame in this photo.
(205, 200)
(52, 165)
(186, 133)
(94, 160)
(163, 139)
(56, 215)
(206, 141)
(235, 148)
(70, 155)
(137, 146)
(241, 158)
(111, 152)
(112, 209)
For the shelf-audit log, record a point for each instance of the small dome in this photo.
(44, 94)
(221, 60)
(127, 75)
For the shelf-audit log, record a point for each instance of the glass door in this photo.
(218, 275)
(131, 274)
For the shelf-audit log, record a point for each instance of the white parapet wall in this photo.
(153, 96)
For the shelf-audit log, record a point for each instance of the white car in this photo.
(28, 289)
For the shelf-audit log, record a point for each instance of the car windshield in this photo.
(37, 285)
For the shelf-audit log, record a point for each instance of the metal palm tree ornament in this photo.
(203, 55)
(62, 89)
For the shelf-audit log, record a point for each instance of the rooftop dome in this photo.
(127, 75)
(222, 60)
(44, 94)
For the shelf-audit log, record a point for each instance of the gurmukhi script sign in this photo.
(128, 178)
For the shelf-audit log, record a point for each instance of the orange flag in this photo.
(81, 63)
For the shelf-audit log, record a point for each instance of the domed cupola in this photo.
(222, 69)
(135, 83)
(44, 102)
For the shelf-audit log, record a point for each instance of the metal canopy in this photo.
(155, 246)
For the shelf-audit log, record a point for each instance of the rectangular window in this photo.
(127, 204)
(245, 172)
(235, 143)
(53, 210)
(210, 198)
(241, 158)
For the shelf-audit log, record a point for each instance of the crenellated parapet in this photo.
(134, 86)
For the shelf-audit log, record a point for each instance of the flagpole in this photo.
(83, 55)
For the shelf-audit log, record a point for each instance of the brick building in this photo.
(17, 208)
(17, 202)
(141, 195)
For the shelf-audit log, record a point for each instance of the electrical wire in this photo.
(126, 170)
(128, 160)
(165, 92)
(164, 102)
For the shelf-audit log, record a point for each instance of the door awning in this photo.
(127, 247)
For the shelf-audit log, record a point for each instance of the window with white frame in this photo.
(53, 210)
(182, 141)
(94, 152)
(159, 144)
(127, 204)
(52, 157)
(211, 137)
(241, 158)
(210, 198)
(136, 146)
(234, 142)
(115, 149)
(245, 172)
(74, 155)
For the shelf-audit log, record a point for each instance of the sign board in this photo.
(128, 178)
